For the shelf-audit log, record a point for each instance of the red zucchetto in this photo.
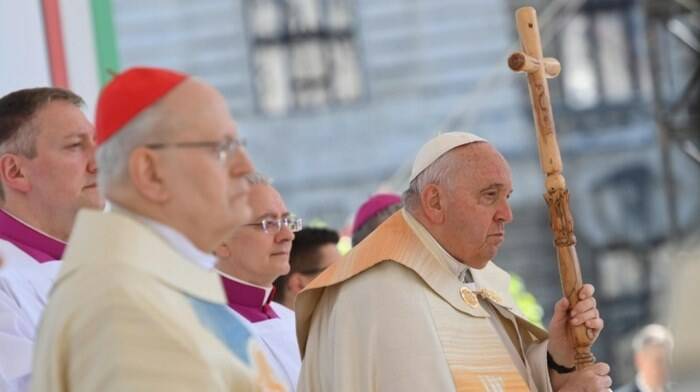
(128, 94)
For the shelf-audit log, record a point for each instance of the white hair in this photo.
(436, 173)
(257, 178)
(653, 335)
(113, 155)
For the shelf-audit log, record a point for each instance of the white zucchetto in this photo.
(438, 146)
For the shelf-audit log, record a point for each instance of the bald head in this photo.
(187, 107)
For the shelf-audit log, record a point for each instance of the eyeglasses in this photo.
(224, 149)
(274, 226)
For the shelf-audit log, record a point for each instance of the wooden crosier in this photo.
(538, 69)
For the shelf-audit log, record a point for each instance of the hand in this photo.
(594, 378)
(585, 312)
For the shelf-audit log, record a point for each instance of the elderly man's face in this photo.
(63, 172)
(477, 204)
(252, 254)
(209, 194)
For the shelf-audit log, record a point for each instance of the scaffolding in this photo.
(673, 40)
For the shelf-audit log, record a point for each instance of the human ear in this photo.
(12, 173)
(145, 171)
(222, 251)
(433, 203)
(295, 283)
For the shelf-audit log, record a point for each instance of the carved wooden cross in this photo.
(539, 69)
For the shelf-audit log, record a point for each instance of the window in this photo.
(303, 53)
(602, 81)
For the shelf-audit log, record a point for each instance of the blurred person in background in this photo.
(313, 250)
(652, 346)
(372, 213)
(47, 173)
(136, 305)
(249, 261)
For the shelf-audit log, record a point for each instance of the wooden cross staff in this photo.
(539, 69)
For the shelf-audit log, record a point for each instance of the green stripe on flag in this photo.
(105, 40)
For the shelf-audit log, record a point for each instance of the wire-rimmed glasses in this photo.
(274, 226)
(224, 149)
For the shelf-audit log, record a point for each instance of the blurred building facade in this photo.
(336, 96)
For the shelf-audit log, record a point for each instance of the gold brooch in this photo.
(468, 297)
(490, 295)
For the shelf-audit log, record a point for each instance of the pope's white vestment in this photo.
(393, 316)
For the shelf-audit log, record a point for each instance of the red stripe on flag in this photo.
(54, 41)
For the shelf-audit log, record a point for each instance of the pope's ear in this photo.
(432, 200)
(146, 173)
(12, 173)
